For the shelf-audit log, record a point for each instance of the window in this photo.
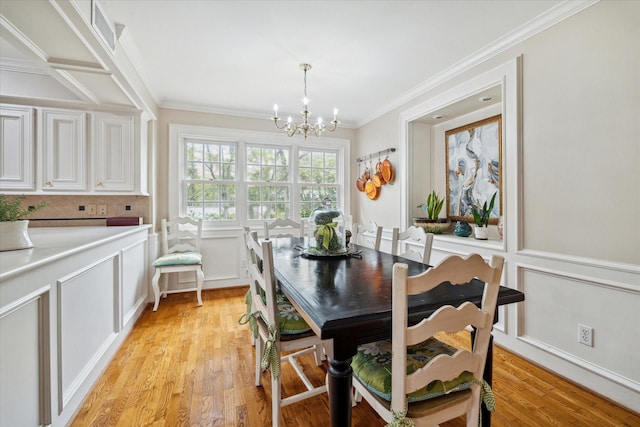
(237, 177)
(210, 180)
(318, 178)
(268, 183)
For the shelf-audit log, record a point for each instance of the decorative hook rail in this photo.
(372, 155)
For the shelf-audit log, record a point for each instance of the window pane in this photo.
(253, 156)
(267, 173)
(204, 163)
(330, 176)
(211, 171)
(194, 170)
(194, 151)
(330, 160)
(228, 154)
(317, 160)
(211, 153)
(317, 175)
(253, 173)
(228, 171)
(311, 197)
(304, 175)
(211, 193)
(228, 193)
(304, 159)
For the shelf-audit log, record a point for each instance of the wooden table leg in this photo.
(339, 389)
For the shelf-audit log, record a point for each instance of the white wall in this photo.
(572, 240)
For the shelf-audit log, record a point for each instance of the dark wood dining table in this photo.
(348, 300)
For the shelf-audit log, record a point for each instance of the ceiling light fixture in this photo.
(305, 127)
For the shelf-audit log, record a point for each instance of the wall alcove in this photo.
(422, 148)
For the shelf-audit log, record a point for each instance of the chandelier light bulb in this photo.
(304, 128)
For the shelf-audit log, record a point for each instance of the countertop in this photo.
(52, 243)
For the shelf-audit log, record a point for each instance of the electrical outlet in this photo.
(102, 210)
(91, 209)
(585, 335)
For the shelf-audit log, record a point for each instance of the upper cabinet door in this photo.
(64, 150)
(113, 155)
(17, 147)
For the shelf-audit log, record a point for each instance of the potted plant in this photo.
(13, 227)
(432, 223)
(481, 217)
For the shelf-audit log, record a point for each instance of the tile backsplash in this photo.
(71, 210)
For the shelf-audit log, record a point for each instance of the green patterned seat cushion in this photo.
(288, 317)
(179, 258)
(372, 366)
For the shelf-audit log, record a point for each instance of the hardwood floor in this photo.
(186, 365)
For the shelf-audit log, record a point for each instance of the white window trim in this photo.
(178, 133)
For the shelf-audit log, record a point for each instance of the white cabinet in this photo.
(16, 145)
(113, 152)
(24, 352)
(64, 150)
(64, 311)
(73, 152)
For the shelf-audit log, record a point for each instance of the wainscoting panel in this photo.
(134, 284)
(551, 324)
(87, 323)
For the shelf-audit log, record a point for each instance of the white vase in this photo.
(481, 233)
(14, 235)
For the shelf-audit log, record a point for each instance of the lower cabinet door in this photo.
(25, 391)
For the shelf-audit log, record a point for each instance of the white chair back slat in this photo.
(361, 235)
(415, 235)
(283, 228)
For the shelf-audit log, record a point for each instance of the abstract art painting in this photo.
(474, 168)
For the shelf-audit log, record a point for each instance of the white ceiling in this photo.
(241, 57)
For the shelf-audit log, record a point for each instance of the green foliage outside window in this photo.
(210, 181)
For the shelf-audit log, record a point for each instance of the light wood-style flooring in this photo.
(186, 365)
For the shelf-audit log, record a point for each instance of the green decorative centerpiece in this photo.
(326, 231)
(432, 223)
(13, 228)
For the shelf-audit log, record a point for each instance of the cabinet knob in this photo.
(99, 184)
(48, 184)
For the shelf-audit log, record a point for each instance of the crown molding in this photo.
(553, 16)
(21, 66)
(174, 105)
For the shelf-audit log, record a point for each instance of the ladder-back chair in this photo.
(180, 253)
(415, 375)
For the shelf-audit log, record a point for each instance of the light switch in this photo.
(91, 209)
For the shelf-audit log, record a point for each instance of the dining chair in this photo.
(361, 235)
(180, 253)
(416, 377)
(416, 235)
(283, 228)
(281, 333)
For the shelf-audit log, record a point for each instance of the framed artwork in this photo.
(474, 168)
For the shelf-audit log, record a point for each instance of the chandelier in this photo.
(304, 128)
